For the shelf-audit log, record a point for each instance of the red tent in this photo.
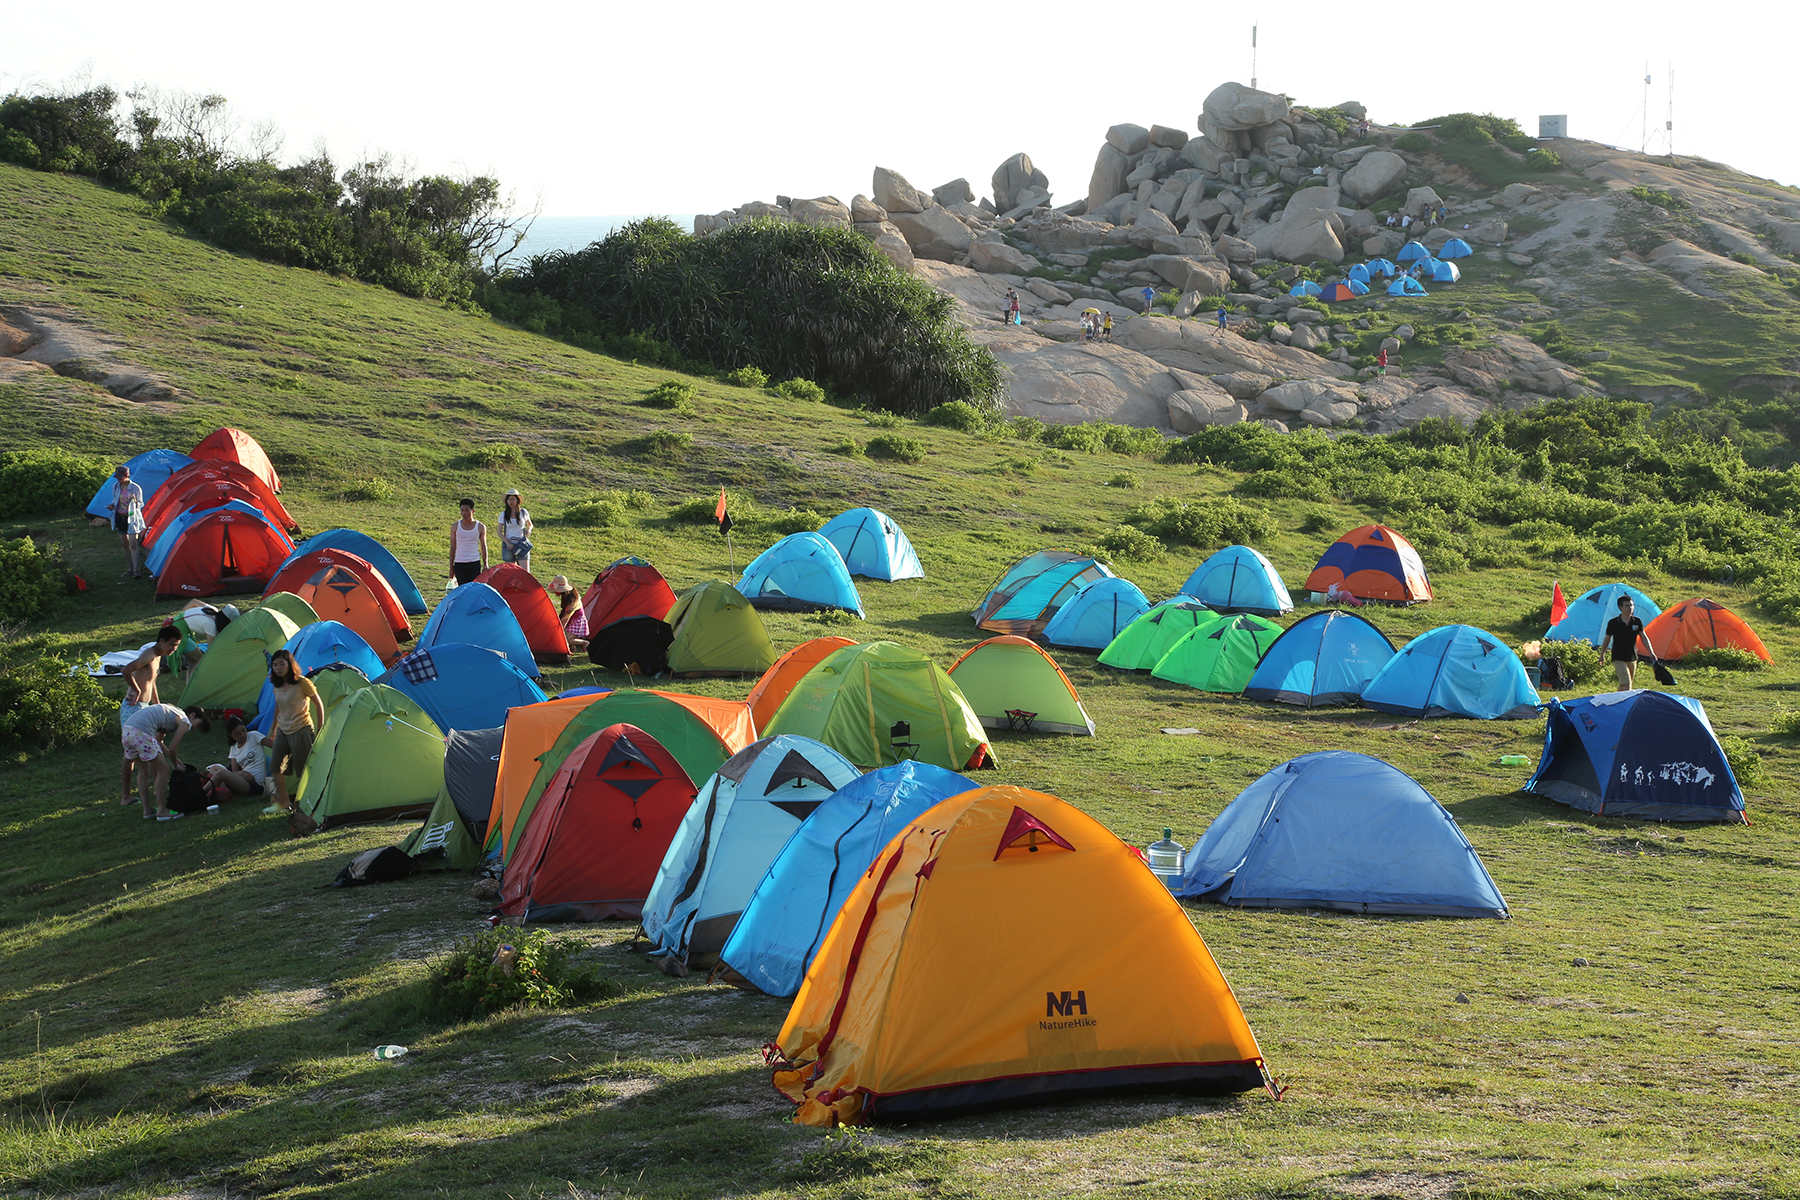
(531, 604)
(223, 553)
(305, 566)
(630, 587)
(196, 485)
(591, 848)
(234, 445)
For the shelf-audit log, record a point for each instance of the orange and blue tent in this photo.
(1334, 292)
(1372, 562)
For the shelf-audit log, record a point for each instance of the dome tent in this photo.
(1004, 674)
(717, 632)
(235, 666)
(461, 686)
(450, 838)
(1454, 670)
(1456, 248)
(1407, 287)
(1142, 644)
(165, 537)
(475, 615)
(208, 485)
(803, 573)
(342, 594)
(319, 644)
(1324, 658)
(1305, 287)
(373, 553)
(1358, 273)
(149, 470)
(1344, 831)
(738, 823)
(293, 607)
(1380, 266)
(1588, 614)
(792, 909)
(1372, 562)
(1219, 657)
(1699, 624)
(627, 587)
(1441, 272)
(766, 697)
(1644, 754)
(378, 758)
(1030, 592)
(223, 552)
(872, 544)
(534, 610)
(1097, 614)
(302, 564)
(888, 1027)
(234, 445)
(1239, 579)
(1337, 293)
(1412, 252)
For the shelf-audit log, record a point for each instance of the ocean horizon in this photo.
(577, 233)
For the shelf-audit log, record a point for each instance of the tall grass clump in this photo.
(1207, 523)
(38, 482)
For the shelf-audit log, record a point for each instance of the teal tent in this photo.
(803, 572)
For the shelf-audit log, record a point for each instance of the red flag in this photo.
(1559, 608)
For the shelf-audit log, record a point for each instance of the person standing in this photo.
(140, 693)
(152, 737)
(515, 531)
(1222, 314)
(1381, 361)
(1012, 306)
(1149, 298)
(468, 545)
(1106, 326)
(1622, 633)
(127, 510)
(296, 725)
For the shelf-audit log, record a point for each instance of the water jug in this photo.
(1167, 858)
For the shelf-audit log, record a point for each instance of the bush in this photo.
(894, 446)
(599, 513)
(1026, 429)
(800, 389)
(374, 490)
(495, 456)
(503, 968)
(675, 394)
(40, 482)
(668, 443)
(849, 448)
(1132, 545)
(1544, 160)
(1786, 722)
(1581, 661)
(1318, 520)
(796, 520)
(1723, 658)
(957, 415)
(42, 705)
(1746, 764)
(30, 579)
(1473, 128)
(748, 377)
(698, 511)
(1415, 141)
(882, 419)
(1219, 522)
(1124, 479)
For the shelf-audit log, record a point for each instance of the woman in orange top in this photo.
(296, 701)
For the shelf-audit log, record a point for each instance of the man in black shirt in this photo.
(1622, 633)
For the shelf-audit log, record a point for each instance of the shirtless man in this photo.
(140, 693)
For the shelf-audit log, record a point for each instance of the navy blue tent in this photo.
(1326, 658)
(873, 545)
(1456, 248)
(803, 572)
(1344, 831)
(319, 645)
(1454, 670)
(1239, 579)
(1637, 754)
(794, 906)
(476, 614)
(1412, 251)
(461, 686)
(149, 470)
(1096, 614)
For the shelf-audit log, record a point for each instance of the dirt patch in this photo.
(1404, 1185)
(58, 341)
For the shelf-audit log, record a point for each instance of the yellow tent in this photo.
(1005, 949)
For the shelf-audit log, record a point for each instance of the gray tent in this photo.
(450, 839)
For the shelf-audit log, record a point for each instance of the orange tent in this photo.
(234, 445)
(1698, 624)
(196, 485)
(998, 887)
(302, 567)
(1372, 562)
(780, 679)
(532, 605)
(341, 593)
(629, 587)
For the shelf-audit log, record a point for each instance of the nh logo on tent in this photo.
(1065, 1005)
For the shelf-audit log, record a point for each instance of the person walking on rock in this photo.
(1221, 314)
(1149, 298)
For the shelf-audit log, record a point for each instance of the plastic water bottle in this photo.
(389, 1051)
(1514, 760)
(1167, 858)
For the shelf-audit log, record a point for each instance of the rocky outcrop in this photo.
(988, 253)
(932, 232)
(1207, 350)
(889, 240)
(1014, 176)
(896, 195)
(823, 211)
(1376, 174)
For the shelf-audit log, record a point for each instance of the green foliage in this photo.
(495, 456)
(1415, 142)
(698, 511)
(1472, 128)
(1581, 661)
(1659, 198)
(796, 520)
(1746, 764)
(668, 443)
(373, 490)
(882, 419)
(1722, 658)
(832, 616)
(676, 395)
(501, 968)
(1544, 160)
(42, 705)
(1131, 545)
(896, 447)
(1026, 429)
(800, 389)
(958, 415)
(1123, 479)
(747, 377)
(1208, 523)
(607, 509)
(30, 579)
(1096, 436)
(1318, 520)
(1786, 721)
(849, 448)
(1522, 142)
(36, 483)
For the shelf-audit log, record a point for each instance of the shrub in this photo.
(849, 448)
(1746, 764)
(1026, 429)
(796, 520)
(748, 377)
(1223, 521)
(1723, 658)
(1786, 721)
(1581, 661)
(1544, 160)
(800, 389)
(1473, 128)
(599, 513)
(881, 419)
(668, 443)
(502, 968)
(1019, 464)
(495, 456)
(698, 511)
(1131, 544)
(1083, 439)
(1415, 141)
(894, 446)
(42, 705)
(958, 415)
(674, 394)
(1131, 439)
(374, 490)
(38, 482)
(1318, 520)
(1124, 479)
(832, 616)
(30, 579)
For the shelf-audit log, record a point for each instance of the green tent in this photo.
(335, 681)
(450, 838)
(717, 633)
(1143, 643)
(443, 842)
(854, 699)
(379, 757)
(232, 671)
(1219, 657)
(1012, 684)
(294, 608)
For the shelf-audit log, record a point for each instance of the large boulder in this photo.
(1014, 176)
(957, 191)
(933, 233)
(1128, 139)
(1048, 292)
(1028, 199)
(1070, 382)
(1513, 195)
(1056, 233)
(1421, 198)
(1375, 175)
(1204, 349)
(1300, 241)
(823, 212)
(896, 195)
(1151, 224)
(1301, 394)
(1162, 135)
(1208, 156)
(1310, 202)
(1491, 230)
(1445, 403)
(1190, 274)
(1111, 166)
(889, 240)
(1207, 404)
(1235, 250)
(1244, 385)
(863, 209)
(995, 257)
(1234, 106)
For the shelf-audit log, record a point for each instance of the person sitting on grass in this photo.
(152, 737)
(248, 768)
(296, 701)
(140, 693)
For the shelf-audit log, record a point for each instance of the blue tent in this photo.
(1454, 670)
(1406, 287)
(1456, 248)
(474, 613)
(461, 686)
(1305, 287)
(1587, 616)
(166, 539)
(1358, 286)
(1339, 830)
(1096, 614)
(1411, 251)
(319, 645)
(1637, 754)
(1028, 594)
(1381, 266)
(1442, 272)
(1325, 658)
(373, 553)
(738, 823)
(794, 906)
(1358, 274)
(149, 470)
(873, 545)
(802, 572)
(1238, 579)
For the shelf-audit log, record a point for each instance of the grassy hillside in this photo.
(187, 1010)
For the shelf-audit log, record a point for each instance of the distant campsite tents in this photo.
(378, 758)
(1372, 562)
(1454, 670)
(1381, 266)
(1442, 272)
(149, 470)
(1589, 612)
(1239, 579)
(801, 573)
(1010, 683)
(373, 553)
(873, 545)
(1098, 613)
(1028, 594)
(1341, 831)
(1412, 252)
(1699, 624)
(1406, 287)
(1332, 293)
(1358, 273)
(476, 615)
(717, 632)
(1456, 248)
(461, 686)
(1325, 658)
(766, 697)
(1305, 287)
(1643, 754)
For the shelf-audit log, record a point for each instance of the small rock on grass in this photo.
(1462, 997)
(1580, 962)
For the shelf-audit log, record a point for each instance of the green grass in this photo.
(188, 1008)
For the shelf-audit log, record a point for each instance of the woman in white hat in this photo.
(515, 531)
(572, 615)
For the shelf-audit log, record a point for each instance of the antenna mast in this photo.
(1669, 125)
(1644, 144)
(1253, 56)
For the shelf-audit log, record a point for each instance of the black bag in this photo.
(1550, 674)
(376, 866)
(187, 791)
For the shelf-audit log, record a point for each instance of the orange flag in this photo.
(1559, 608)
(721, 515)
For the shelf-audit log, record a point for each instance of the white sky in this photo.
(699, 106)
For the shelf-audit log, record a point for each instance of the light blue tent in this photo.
(794, 905)
(1357, 286)
(1588, 614)
(872, 545)
(320, 644)
(149, 470)
(1238, 579)
(171, 534)
(739, 822)
(1454, 670)
(1305, 287)
(1643, 754)
(1412, 251)
(371, 552)
(1095, 615)
(461, 686)
(1381, 266)
(1032, 589)
(1406, 287)
(1326, 658)
(1456, 248)
(1344, 831)
(803, 573)
(475, 614)
(1358, 274)
(1440, 271)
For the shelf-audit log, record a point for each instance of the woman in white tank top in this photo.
(468, 545)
